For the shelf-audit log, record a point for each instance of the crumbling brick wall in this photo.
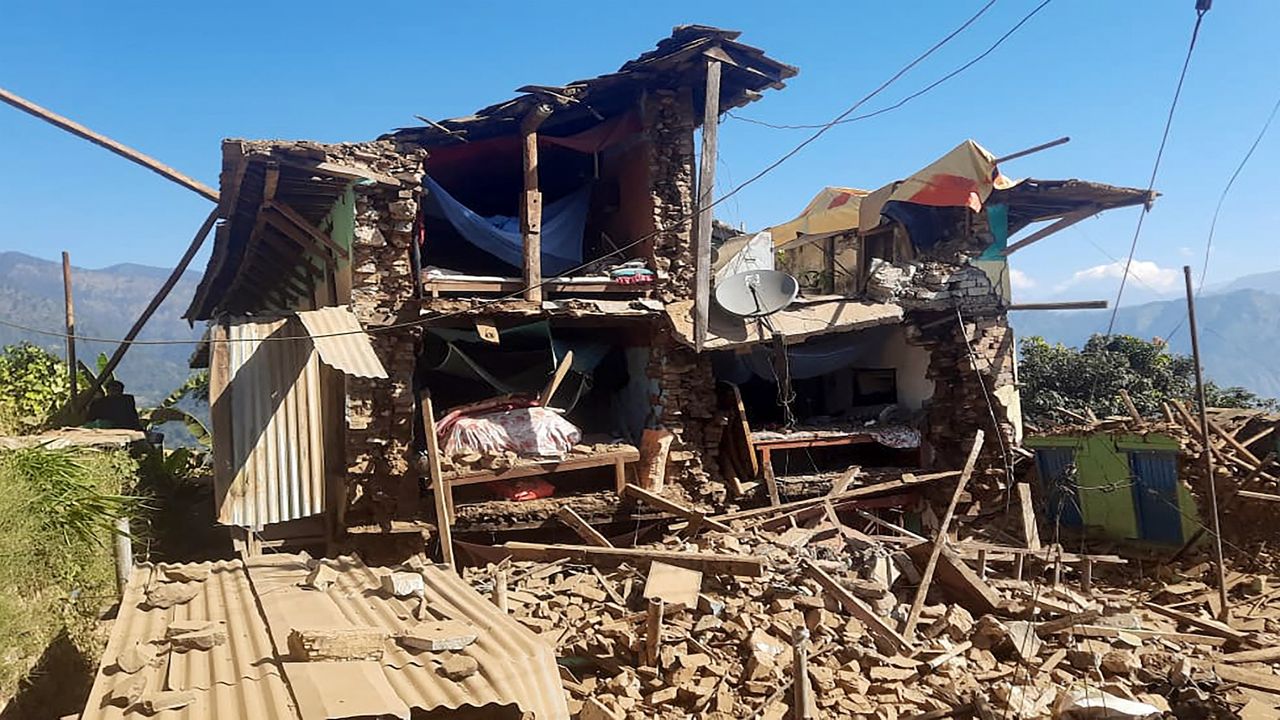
(380, 413)
(955, 313)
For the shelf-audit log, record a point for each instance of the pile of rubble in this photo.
(797, 613)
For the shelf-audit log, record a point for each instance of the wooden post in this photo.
(124, 554)
(803, 708)
(71, 322)
(439, 486)
(531, 203)
(706, 192)
(1208, 442)
(107, 143)
(1030, 530)
(982, 563)
(500, 590)
(1086, 575)
(917, 605)
(151, 308)
(1019, 565)
(653, 632)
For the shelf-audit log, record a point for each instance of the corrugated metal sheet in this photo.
(1155, 492)
(277, 443)
(250, 678)
(239, 679)
(517, 668)
(341, 342)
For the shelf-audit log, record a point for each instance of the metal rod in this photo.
(1043, 146)
(1204, 433)
(107, 143)
(1069, 305)
(124, 554)
(72, 377)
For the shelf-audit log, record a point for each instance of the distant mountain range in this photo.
(1239, 329)
(107, 302)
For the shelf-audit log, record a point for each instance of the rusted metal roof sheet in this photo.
(238, 679)
(341, 342)
(277, 443)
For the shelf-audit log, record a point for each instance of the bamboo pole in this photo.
(1204, 433)
(69, 306)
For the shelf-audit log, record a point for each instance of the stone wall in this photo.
(380, 413)
(669, 125)
(685, 404)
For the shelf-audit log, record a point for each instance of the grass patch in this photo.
(57, 510)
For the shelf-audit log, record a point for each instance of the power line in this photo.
(1213, 224)
(679, 222)
(914, 95)
(1155, 169)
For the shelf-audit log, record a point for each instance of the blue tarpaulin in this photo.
(563, 222)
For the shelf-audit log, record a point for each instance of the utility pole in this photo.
(1207, 439)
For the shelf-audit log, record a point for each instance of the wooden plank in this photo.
(1030, 530)
(770, 481)
(305, 226)
(845, 480)
(969, 548)
(1129, 406)
(107, 143)
(666, 505)
(963, 584)
(1063, 223)
(746, 428)
(1270, 682)
(704, 214)
(548, 392)
(1270, 654)
(907, 480)
(860, 610)
(589, 535)
(708, 563)
(1107, 631)
(220, 416)
(1212, 627)
(917, 605)
(1251, 495)
(440, 487)
(519, 471)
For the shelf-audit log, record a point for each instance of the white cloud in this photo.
(1019, 280)
(1143, 272)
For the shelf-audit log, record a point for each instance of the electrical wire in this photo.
(676, 223)
(1155, 168)
(917, 93)
(1213, 224)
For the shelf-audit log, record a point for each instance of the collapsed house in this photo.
(430, 328)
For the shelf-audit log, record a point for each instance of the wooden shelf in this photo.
(617, 458)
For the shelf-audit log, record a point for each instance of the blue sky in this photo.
(173, 79)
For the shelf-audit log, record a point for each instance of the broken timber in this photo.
(575, 522)
(875, 624)
(709, 563)
(693, 516)
(907, 480)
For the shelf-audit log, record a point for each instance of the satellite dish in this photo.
(756, 293)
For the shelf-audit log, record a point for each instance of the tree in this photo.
(32, 382)
(1056, 377)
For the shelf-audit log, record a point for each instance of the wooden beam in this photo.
(107, 143)
(311, 230)
(343, 171)
(561, 371)
(439, 486)
(70, 311)
(917, 605)
(709, 563)
(1031, 150)
(860, 610)
(1062, 223)
(1027, 513)
(1212, 627)
(907, 480)
(531, 202)
(704, 214)
(1072, 305)
(1251, 495)
(152, 306)
(589, 535)
(1270, 654)
(655, 500)
(963, 584)
(1129, 406)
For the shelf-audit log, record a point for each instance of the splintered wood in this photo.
(799, 618)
